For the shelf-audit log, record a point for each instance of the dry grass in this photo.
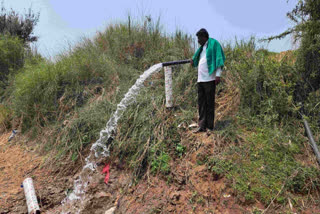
(228, 100)
(288, 56)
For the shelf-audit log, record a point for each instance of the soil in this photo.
(17, 162)
(189, 188)
(192, 187)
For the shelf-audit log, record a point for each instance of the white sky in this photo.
(63, 22)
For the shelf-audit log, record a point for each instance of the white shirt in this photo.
(203, 70)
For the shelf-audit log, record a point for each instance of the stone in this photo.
(110, 211)
(103, 195)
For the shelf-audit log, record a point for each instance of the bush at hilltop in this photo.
(11, 58)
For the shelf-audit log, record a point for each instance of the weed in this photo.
(180, 149)
(194, 195)
(266, 164)
(219, 167)
(161, 163)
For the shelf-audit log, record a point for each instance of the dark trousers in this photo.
(206, 100)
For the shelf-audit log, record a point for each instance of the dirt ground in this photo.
(189, 188)
(17, 162)
(193, 188)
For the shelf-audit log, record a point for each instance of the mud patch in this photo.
(100, 196)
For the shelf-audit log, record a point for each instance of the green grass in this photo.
(266, 165)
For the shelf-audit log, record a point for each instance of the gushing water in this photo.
(100, 149)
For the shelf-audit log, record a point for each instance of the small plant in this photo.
(161, 163)
(200, 200)
(194, 195)
(219, 167)
(180, 149)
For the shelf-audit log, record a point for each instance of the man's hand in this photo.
(217, 80)
(191, 62)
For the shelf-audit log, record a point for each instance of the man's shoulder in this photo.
(212, 40)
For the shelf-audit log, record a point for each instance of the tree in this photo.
(22, 26)
(16, 33)
(306, 30)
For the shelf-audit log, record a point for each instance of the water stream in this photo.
(100, 149)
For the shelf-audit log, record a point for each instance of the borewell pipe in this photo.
(168, 79)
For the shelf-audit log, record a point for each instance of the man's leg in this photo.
(210, 90)
(202, 105)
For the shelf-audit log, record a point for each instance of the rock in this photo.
(193, 125)
(103, 195)
(226, 195)
(110, 211)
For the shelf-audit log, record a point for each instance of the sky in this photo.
(64, 22)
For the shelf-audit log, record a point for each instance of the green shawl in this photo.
(215, 55)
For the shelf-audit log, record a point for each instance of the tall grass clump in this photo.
(266, 84)
(45, 92)
(142, 44)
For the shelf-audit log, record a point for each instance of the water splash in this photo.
(100, 149)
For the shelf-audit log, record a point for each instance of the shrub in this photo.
(266, 84)
(11, 57)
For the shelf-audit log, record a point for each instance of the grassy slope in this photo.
(265, 157)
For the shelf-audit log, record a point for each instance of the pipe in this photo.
(312, 142)
(168, 79)
(168, 86)
(32, 202)
(176, 62)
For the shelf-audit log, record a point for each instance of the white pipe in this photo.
(168, 86)
(32, 202)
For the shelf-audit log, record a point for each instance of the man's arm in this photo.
(218, 74)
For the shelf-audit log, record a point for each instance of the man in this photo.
(209, 59)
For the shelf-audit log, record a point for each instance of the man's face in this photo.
(202, 40)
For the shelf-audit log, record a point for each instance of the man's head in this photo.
(203, 36)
